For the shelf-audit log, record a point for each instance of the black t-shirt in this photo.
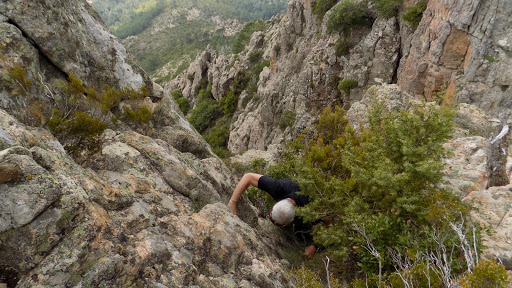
(286, 188)
(282, 189)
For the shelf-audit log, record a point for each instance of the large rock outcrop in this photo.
(302, 77)
(465, 47)
(145, 208)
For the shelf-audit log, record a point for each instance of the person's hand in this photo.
(232, 207)
(309, 251)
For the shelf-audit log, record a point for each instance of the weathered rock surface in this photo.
(464, 46)
(143, 210)
(303, 75)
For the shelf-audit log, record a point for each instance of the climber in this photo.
(283, 191)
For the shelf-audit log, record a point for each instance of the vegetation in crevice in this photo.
(211, 117)
(348, 15)
(77, 115)
(414, 13)
(346, 85)
(244, 36)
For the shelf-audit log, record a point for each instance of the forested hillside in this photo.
(173, 31)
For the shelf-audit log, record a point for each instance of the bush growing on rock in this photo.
(137, 116)
(23, 85)
(379, 185)
(245, 35)
(348, 15)
(287, 119)
(80, 131)
(208, 110)
(487, 274)
(414, 13)
(346, 85)
(387, 8)
(182, 102)
(320, 7)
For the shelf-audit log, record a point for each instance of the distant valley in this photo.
(165, 36)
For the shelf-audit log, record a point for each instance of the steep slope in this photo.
(140, 207)
(302, 77)
(458, 54)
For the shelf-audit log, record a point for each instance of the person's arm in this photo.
(246, 181)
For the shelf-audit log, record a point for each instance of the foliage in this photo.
(384, 178)
(109, 98)
(218, 137)
(487, 274)
(137, 116)
(414, 13)
(287, 119)
(182, 102)
(81, 131)
(19, 75)
(342, 47)
(206, 113)
(348, 15)
(77, 125)
(387, 8)
(229, 103)
(322, 6)
(138, 22)
(255, 56)
(305, 278)
(245, 35)
(346, 85)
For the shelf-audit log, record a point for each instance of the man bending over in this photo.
(283, 191)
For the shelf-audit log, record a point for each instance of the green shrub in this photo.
(245, 35)
(346, 85)
(240, 82)
(322, 6)
(137, 116)
(184, 105)
(79, 132)
(176, 94)
(255, 56)
(257, 68)
(109, 98)
(414, 13)
(287, 119)
(348, 15)
(205, 114)
(385, 178)
(303, 277)
(342, 47)
(19, 75)
(218, 137)
(229, 103)
(387, 8)
(486, 274)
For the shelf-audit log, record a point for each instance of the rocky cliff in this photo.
(144, 207)
(459, 53)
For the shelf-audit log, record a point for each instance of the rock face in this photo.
(457, 54)
(302, 77)
(145, 208)
(464, 46)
